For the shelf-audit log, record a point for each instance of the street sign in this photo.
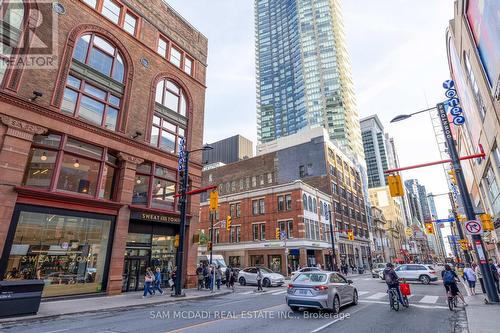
(473, 227)
(445, 220)
(283, 235)
(480, 252)
(325, 210)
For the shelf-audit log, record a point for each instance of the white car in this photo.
(303, 270)
(415, 272)
(269, 278)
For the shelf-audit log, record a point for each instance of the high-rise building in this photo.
(376, 150)
(303, 72)
(229, 150)
(439, 235)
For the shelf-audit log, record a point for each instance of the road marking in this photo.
(367, 279)
(429, 299)
(61, 330)
(279, 292)
(360, 293)
(411, 305)
(336, 320)
(377, 296)
(247, 293)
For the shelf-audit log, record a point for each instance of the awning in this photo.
(399, 260)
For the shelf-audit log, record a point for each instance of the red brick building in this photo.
(88, 145)
(294, 208)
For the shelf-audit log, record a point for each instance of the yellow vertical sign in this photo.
(214, 200)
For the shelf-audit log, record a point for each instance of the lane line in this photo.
(246, 293)
(377, 296)
(361, 293)
(336, 320)
(279, 292)
(411, 305)
(61, 330)
(429, 299)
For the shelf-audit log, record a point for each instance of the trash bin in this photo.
(20, 297)
(361, 270)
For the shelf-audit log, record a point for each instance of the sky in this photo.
(398, 57)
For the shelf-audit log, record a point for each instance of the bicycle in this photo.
(394, 301)
(452, 301)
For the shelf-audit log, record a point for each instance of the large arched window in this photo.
(94, 88)
(12, 15)
(169, 119)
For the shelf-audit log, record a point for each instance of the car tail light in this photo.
(320, 288)
(432, 272)
(290, 286)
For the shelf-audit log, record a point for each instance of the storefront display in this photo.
(66, 249)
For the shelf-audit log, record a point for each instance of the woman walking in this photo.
(479, 276)
(232, 279)
(470, 276)
(259, 280)
(148, 280)
(157, 281)
(218, 277)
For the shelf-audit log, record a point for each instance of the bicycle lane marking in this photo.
(338, 319)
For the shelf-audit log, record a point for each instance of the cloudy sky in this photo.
(398, 58)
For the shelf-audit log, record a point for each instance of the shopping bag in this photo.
(405, 289)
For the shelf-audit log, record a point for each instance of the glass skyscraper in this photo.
(303, 71)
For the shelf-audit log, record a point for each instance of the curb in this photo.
(24, 319)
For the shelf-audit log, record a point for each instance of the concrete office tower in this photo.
(377, 148)
(229, 150)
(303, 72)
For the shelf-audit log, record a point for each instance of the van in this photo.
(217, 260)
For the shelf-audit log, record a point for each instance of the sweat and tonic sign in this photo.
(154, 217)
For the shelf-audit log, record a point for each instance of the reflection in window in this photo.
(155, 186)
(67, 252)
(12, 18)
(171, 96)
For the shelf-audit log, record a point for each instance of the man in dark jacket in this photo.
(392, 280)
(495, 274)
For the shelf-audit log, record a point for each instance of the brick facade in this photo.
(22, 118)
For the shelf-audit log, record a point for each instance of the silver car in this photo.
(304, 270)
(321, 290)
(269, 278)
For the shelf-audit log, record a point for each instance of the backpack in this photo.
(448, 277)
(389, 278)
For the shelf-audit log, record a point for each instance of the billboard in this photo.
(483, 17)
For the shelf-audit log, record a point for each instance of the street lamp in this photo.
(406, 116)
(184, 168)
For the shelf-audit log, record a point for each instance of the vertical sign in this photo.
(480, 252)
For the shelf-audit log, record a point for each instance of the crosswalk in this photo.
(369, 296)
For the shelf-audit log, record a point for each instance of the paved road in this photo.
(247, 311)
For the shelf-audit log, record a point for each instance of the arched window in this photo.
(12, 15)
(94, 88)
(168, 127)
(304, 201)
(310, 204)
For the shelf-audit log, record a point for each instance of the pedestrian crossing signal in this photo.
(278, 233)
(429, 228)
(350, 235)
(209, 246)
(176, 241)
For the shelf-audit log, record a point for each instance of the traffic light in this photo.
(214, 200)
(395, 185)
(278, 233)
(350, 235)
(429, 227)
(176, 241)
(453, 177)
(209, 246)
(228, 223)
(487, 222)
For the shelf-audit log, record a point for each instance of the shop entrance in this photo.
(133, 274)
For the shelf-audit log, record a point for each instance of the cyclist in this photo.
(450, 279)
(392, 280)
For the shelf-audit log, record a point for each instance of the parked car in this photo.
(269, 278)
(304, 270)
(321, 290)
(377, 268)
(415, 272)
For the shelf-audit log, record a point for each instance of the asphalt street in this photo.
(248, 311)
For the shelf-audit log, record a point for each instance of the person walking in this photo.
(173, 276)
(227, 273)
(218, 276)
(156, 285)
(206, 276)
(495, 274)
(232, 279)
(470, 276)
(479, 276)
(148, 280)
(199, 275)
(259, 280)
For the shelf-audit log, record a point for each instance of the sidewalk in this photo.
(50, 309)
(481, 317)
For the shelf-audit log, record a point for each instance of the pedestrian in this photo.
(227, 273)
(206, 276)
(318, 266)
(259, 280)
(470, 276)
(479, 276)
(199, 275)
(173, 276)
(156, 285)
(148, 280)
(232, 279)
(218, 277)
(495, 274)
(289, 269)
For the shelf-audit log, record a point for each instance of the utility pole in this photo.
(333, 258)
(481, 254)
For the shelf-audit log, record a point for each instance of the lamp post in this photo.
(333, 262)
(184, 169)
(481, 254)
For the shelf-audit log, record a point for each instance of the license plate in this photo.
(301, 292)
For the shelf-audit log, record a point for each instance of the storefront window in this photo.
(235, 261)
(82, 168)
(275, 263)
(158, 181)
(67, 252)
